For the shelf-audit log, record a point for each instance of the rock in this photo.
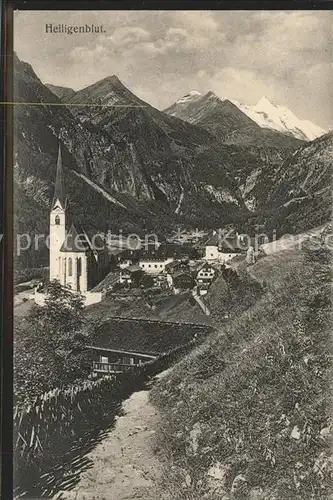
(188, 480)
(239, 484)
(325, 432)
(194, 435)
(217, 471)
(295, 433)
(256, 494)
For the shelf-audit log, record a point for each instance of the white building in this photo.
(74, 261)
(220, 251)
(205, 274)
(154, 266)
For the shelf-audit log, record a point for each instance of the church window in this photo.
(57, 220)
(70, 267)
(79, 266)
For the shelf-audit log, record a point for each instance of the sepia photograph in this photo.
(172, 258)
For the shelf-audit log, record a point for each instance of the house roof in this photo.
(182, 272)
(203, 265)
(117, 351)
(146, 336)
(152, 252)
(152, 258)
(133, 269)
(213, 241)
(175, 266)
(109, 280)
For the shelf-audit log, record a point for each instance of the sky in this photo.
(162, 55)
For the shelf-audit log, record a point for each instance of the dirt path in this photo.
(125, 464)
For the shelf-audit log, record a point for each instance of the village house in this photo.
(156, 260)
(179, 276)
(182, 279)
(124, 344)
(131, 276)
(127, 257)
(154, 266)
(222, 247)
(125, 262)
(111, 361)
(205, 274)
(161, 280)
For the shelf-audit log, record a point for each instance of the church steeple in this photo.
(59, 189)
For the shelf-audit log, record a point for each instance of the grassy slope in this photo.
(231, 407)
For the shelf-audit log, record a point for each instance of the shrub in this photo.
(49, 347)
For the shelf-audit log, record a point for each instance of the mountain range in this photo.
(272, 120)
(145, 168)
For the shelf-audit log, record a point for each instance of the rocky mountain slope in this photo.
(291, 177)
(302, 186)
(228, 122)
(61, 92)
(142, 167)
(38, 130)
(162, 169)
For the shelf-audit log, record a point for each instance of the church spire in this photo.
(59, 190)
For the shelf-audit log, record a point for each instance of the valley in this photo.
(146, 168)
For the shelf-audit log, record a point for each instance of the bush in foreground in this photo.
(49, 347)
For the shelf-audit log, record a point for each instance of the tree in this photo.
(50, 349)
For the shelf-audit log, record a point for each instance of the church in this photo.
(76, 261)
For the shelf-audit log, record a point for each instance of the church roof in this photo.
(213, 240)
(59, 189)
(224, 242)
(75, 241)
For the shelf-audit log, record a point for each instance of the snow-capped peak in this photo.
(269, 115)
(189, 97)
(263, 103)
